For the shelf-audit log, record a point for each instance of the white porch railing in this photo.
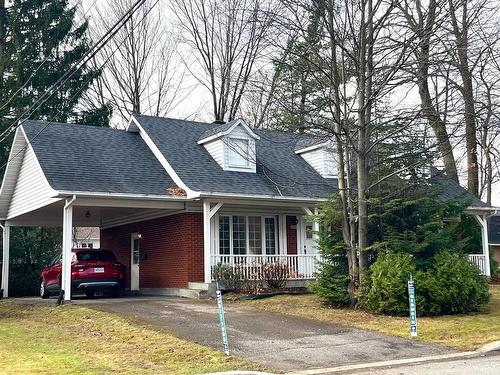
(480, 261)
(250, 267)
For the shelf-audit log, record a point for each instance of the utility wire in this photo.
(51, 121)
(78, 65)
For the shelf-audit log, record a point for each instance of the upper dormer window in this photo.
(232, 146)
(319, 155)
(238, 152)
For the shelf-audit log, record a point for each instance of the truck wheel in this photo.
(44, 293)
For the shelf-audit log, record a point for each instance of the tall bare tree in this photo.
(228, 37)
(141, 74)
(423, 20)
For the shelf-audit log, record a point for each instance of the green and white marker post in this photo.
(413, 307)
(222, 320)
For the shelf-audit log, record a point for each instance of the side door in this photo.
(135, 257)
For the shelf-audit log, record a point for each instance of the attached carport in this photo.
(62, 175)
(75, 211)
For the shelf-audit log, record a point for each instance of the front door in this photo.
(135, 255)
(307, 249)
(309, 243)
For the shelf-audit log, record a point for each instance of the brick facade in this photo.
(171, 249)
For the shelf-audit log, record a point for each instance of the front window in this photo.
(270, 235)
(239, 235)
(255, 235)
(224, 235)
(252, 235)
(238, 153)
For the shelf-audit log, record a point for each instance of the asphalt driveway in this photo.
(275, 340)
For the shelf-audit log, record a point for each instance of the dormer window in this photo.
(320, 156)
(232, 146)
(238, 153)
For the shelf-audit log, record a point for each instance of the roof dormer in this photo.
(320, 155)
(232, 146)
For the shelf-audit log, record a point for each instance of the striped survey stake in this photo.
(222, 321)
(413, 307)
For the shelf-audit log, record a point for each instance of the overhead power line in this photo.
(74, 69)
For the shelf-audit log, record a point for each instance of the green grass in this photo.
(465, 332)
(78, 340)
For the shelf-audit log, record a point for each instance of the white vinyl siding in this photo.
(216, 150)
(322, 160)
(32, 190)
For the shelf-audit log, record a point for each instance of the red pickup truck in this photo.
(92, 271)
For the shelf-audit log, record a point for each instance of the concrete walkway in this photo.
(282, 342)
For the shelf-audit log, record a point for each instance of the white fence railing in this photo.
(480, 261)
(251, 267)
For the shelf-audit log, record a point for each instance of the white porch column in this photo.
(483, 222)
(208, 213)
(206, 242)
(5, 259)
(66, 248)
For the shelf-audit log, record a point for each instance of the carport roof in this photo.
(93, 159)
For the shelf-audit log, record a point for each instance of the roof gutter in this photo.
(88, 194)
(259, 197)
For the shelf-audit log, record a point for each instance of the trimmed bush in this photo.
(452, 286)
(388, 293)
(455, 285)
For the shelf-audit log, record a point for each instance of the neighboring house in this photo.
(86, 237)
(494, 237)
(173, 198)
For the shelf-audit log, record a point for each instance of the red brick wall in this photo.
(291, 234)
(171, 249)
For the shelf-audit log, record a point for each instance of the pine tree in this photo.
(34, 33)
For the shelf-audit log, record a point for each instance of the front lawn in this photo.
(77, 340)
(465, 332)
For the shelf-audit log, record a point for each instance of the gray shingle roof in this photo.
(216, 129)
(93, 159)
(449, 189)
(305, 142)
(279, 170)
(494, 232)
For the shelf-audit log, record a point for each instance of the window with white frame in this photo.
(270, 235)
(252, 235)
(239, 235)
(329, 163)
(238, 153)
(224, 235)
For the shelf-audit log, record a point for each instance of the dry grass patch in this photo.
(77, 340)
(465, 332)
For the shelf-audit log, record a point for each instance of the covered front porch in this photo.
(248, 238)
